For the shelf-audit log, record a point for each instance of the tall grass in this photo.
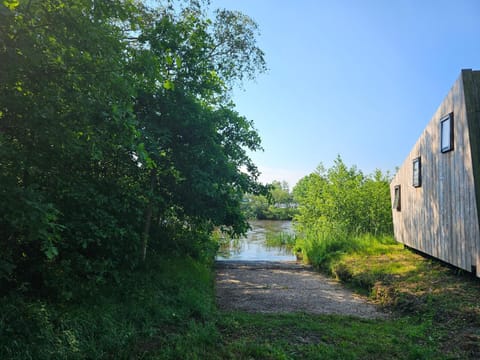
(163, 309)
(281, 239)
(323, 246)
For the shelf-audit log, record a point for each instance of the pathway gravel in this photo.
(285, 287)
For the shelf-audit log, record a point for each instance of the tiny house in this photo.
(436, 192)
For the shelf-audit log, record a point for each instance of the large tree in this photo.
(116, 128)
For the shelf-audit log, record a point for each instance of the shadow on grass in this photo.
(418, 287)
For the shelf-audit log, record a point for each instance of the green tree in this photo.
(377, 202)
(117, 132)
(344, 199)
(255, 206)
(309, 194)
(196, 142)
(66, 135)
(281, 194)
(277, 204)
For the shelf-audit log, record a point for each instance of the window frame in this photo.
(417, 175)
(397, 198)
(446, 120)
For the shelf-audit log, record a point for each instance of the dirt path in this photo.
(279, 287)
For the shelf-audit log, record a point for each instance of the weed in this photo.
(281, 239)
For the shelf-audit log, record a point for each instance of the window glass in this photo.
(396, 200)
(446, 130)
(417, 172)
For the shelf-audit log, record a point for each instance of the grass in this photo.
(302, 336)
(168, 312)
(281, 239)
(435, 312)
(168, 306)
(441, 298)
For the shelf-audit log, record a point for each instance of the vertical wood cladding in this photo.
(440, 217)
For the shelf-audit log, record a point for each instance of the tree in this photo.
(194, 138)
(345, 199)
(67, 133)
(277, 204)
(116, 131)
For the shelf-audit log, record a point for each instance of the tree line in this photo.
(118, 136)
(277, 204)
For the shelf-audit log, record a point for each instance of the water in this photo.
(253, 245)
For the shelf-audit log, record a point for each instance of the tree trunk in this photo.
(148, 216)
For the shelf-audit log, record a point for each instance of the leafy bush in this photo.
(341, 211)
(343, 198)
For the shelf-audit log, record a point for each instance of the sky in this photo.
(359, 79)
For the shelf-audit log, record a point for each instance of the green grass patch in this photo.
(165, 308)
(442, 299)
(324, 249)
(302, 336)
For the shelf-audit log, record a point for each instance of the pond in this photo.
(254, 247)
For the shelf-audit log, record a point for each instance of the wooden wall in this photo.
(440, 218)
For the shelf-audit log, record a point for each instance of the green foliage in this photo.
(165, 306)
(337, 207)
(344, 228)
(277, 204)
(117, 135)
(323, 250)
(344, 198)
(281, 239)
(66, 130)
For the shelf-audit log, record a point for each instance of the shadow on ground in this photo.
(285, 287)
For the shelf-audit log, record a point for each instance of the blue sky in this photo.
(356, 78)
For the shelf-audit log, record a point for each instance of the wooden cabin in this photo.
(436, 191)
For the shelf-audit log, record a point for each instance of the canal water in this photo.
(254, 247)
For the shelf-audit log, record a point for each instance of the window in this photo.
(446, 133)
(417, 172)
(396, 200)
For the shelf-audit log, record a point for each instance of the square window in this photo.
(396, 199)
(417, 172)
(446, 133)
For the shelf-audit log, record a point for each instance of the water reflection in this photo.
(253, 246)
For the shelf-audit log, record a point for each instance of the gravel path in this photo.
(283, 287)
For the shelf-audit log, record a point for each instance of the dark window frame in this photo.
(417, 172)
(446, 120)
(397, 197)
